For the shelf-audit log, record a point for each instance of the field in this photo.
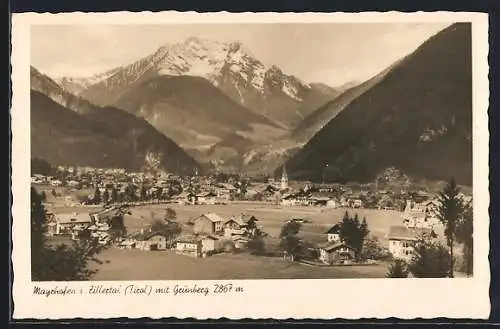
(166, 265)
(143, 265)
(272, 217)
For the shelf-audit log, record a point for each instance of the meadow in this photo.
(166, 265)
(120, 264)
(272, 217)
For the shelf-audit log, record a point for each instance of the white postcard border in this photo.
(261, 299)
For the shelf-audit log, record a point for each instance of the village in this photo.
(200, 216)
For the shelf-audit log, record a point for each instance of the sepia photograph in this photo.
(251, 151)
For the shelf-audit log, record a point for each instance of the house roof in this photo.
(245, 218)
(213, 217)
(73, 218)
(334, 245)
(210, 237)
(188, 239)
(236, 220)
(149, 235)
(404, 233)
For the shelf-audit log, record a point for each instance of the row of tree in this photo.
(352, 232)
(430, 258)
(130, 195)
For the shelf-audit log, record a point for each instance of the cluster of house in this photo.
(210, 234)
(97, 224)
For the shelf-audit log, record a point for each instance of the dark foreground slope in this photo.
(418, 118)
(101, 137)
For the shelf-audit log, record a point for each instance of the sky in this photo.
(332, 53)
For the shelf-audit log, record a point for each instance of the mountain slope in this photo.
(228, 66)
(77, 85)
(418, 118)
(190, 110)
(95, 136)
(317, 119)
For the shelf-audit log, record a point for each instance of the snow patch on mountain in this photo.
(290, 90)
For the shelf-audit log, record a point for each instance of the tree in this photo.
(62, 262)
(353, 233)
(464, 234)
(54, 193)
(430, 259)
(105, 196)
(372, 249)
(129, 194)
(143, 194)
(114, 195)
(170, 230)
(449, 212)
(42, 167)
(97, 196)
(289, 242)
(170, 215)
(398, 269)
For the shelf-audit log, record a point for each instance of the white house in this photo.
(333, 234)
(189, 246)
(55, 182)
(65, 223)
(209, 244)
(420, 215)
(402, 241)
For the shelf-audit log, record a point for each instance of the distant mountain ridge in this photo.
(417, 118)
(228, 66)
(76, 85)
(66, 129)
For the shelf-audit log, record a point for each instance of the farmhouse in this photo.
(151, 241)
(189, 246)
(419, 215)
(289, 200)
(247, 220)
(332, 203)
(66, 223)
(208, 223)
(104, 216)
(333, 234)
(335, 253)
(233, 226)
(210, 244)
(402, 240)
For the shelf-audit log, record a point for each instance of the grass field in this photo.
(166, 265)
(143, 265)
(272, 217)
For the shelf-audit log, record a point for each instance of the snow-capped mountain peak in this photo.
(75, 85)
(229, 66)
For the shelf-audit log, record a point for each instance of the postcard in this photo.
(250, 165)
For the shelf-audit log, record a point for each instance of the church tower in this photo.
(284, 179)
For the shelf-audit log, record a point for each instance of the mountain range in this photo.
(67, 129)
(218, 103)
(417, 117)
(228, 66)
